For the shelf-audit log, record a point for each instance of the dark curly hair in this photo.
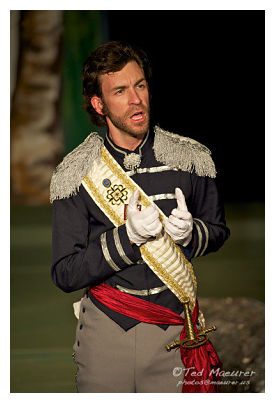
(109, 58)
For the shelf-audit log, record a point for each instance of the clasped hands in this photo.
(145, 224)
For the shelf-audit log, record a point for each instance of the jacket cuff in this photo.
(200, 238)
(117, 249)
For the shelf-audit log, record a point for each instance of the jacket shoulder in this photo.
(67, 176)
(183, 153)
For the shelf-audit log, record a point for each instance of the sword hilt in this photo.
(192, 340)
(200, 339)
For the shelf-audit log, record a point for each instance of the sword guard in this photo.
(192, 340)
(200, 339)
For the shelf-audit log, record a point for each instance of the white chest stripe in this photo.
(162, 196)
(162, 255)
(151, 170)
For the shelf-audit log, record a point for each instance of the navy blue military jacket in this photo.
(78, 259)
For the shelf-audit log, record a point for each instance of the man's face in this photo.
(126, 100)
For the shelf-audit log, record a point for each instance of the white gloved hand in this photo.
(179, 225)
(141, 225)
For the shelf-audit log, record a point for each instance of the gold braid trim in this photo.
(124, 178)
(163, 275)
(159, 270)
(187, 264)
(102, 202)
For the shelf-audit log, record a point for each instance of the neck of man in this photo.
(124, 139)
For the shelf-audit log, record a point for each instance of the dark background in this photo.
(208, 84)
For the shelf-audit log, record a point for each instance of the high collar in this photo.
(118, 151)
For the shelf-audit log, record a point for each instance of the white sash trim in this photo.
(162, 255)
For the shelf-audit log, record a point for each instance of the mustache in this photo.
(136, 110)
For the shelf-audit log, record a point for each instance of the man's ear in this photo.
(97, 104)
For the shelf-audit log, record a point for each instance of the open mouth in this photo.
(138, 116)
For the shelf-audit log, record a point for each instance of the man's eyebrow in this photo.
(140, 80)
(122, 87)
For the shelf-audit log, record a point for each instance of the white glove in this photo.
(141, 225)
(179, 225)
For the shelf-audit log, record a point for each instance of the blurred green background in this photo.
(42, 320)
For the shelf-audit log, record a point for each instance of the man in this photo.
(129, 216)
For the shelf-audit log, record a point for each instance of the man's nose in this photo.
(134, 97)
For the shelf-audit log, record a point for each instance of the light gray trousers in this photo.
(109, 359)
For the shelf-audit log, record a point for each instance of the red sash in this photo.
(202, 364)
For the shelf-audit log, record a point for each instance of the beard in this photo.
(136, 130)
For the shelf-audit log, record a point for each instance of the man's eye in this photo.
(119, 92)
(141, 86)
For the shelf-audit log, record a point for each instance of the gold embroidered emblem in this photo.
(166, 258)
(117, 195)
